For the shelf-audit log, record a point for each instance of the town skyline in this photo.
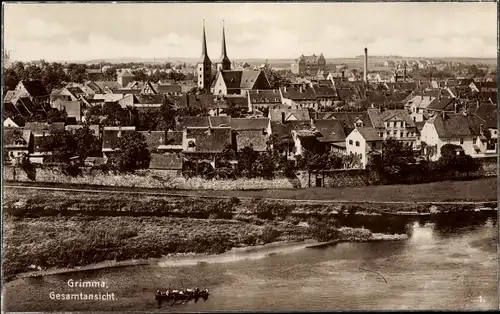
(83, 32)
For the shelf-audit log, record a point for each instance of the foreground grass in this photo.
(48, 242)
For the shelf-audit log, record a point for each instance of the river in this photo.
(438, 267)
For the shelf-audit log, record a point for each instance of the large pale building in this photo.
(309, 65)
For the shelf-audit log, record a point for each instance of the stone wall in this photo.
(338, 178)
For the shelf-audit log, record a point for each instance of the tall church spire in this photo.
(224, 63)
(204, 66)
(204, 52)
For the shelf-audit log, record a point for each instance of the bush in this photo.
(269, 234)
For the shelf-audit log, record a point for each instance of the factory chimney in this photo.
(365, 73)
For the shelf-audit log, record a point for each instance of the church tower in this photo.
(224, 63)
(204, 65)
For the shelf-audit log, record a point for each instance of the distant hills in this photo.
(285, 62)
(491, 61)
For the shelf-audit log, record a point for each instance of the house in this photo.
(325, 95)
(251, 132)
(466, 131)
(9, 123)
(256, 139)
(441, 104)
(72, 108)
(396, 124)
(169, 89)
(364, 142)
(16, 143)
(147, 89)
(283, 134)
(417, 106)
(111, 135)
(202, 122)
(319, 135)
(94, 128)
(256, 124)
(349, 120)
(40, 133)
(137, 85)
(106, 98)
(104, 87)
(34, 90)
(206, 142)
(285, 115)
(94, 74)
(299, 97)
(147, 101)
(234, 101)
(487, 112)
(124, 78)
(260, 99)
(230, 82)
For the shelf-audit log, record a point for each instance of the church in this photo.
(226, 82)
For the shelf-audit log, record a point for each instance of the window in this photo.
(381, 134)
(357, 143)
(401, 134)
(350, 142)
(461, 141)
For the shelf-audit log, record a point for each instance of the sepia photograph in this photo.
(246, 156)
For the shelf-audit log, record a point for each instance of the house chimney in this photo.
(283, 117)
(456, 107)
(365, 73)
(443, 114)
(217, 111)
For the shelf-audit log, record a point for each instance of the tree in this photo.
(62, 144)
(139, 75)
(131, 153)
(234, 111)
(56, 115)
(87, 143)
(246, 161)
(115, 114)
(110, 74)
(168, 113)
(77, 72)
(222, 159)
(11, 78)
(395, 158)
(265, 165)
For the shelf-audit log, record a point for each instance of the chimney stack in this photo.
(283, 118)
(365, 73)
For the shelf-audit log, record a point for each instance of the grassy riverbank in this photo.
(57, 229)
(65, 242)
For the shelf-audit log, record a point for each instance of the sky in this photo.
(72, 32)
